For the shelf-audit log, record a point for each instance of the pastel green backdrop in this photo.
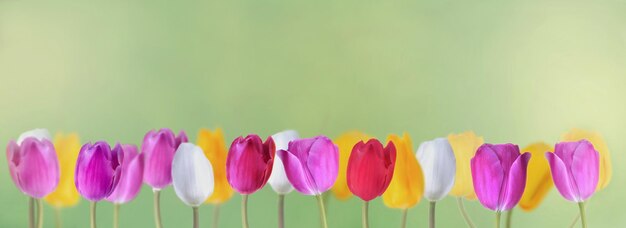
(513, 71)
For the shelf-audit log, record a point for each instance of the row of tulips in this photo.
(461, 165)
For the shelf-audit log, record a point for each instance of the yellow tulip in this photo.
(67, 148)
(407, 185)
(539, 179)
(345, 143)
(600, 145)
(464, 146)
(212, 143)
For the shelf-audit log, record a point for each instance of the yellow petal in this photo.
(539, 179)
(407, 185)
(345, 143)
(600, 145)
(67, 148)
(212, 143)
(464, 146)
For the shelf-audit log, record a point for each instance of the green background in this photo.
(513, 71)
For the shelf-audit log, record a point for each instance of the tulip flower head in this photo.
(158, 148)
(407, 186)
(439, 166)
(575, 169)
(311, 164)
(67, 147)
(464, 146)
(33, 163)
(539, 180)
(249, 163)
(499, 175)
(192, 175)
(214, 148)
(98, 170)
(370, 168)
(345, 143)
(131, 176)
(278, 180)
(603, 150)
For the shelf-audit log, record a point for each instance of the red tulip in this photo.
(370, 168)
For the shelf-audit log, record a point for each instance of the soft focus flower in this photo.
(192, 175)
(212, 143)
(158, 148)
(249, 163)
(539, 180)
(98, 170)
(67, 148)
(407, 186)
(311, 164)
(33, 163)
(575, 169)
(345, 143)
(370, 168)
(600, 145)
(130, 176)
(438, 164)
(464, 146)
(499, 175)
(278, 180)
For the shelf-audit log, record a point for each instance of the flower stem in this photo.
(509, 216)
(196, 222)
(364, 212)
(39, 213)
(31, 212)
(404, 213)
(281, 211)
(92, 214)
(116, 215)
(216, 215)
(157, 208)
(583, 220)
(498, 219)
(244, 211)
(320, 202)
(57, 217)
(461, 206)
(431, 215)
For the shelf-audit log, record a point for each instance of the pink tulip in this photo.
(249, 163)
(33, 166)
(130, 176)
(158, 148)
(98, 170)
(575, 169)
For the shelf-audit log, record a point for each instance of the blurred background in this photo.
(512, 71)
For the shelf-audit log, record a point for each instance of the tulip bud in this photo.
(407, 186)
(370, 168)
(278, 180)
(98, 170)
(192, 175)
(130, 176)
(311, 164)
(249, 163)
(575, 169)
(599, 145)
(158, 148)
(439, 166)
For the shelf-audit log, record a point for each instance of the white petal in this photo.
(278, 179)
(192, 175)
(39, 133)
(439, 166)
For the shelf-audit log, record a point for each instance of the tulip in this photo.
(575, 171)
(539, 180)
(278, 180)
(212, 143)
(600, 145)
(158, 148)
(192, 177)
(130, 180)
(370, 170)
(439, 165)
(345, 143)
(499, 176)
(407, 186)
(248, 166)
(311, 165)
(97, 173)
(34, 168)
(65, 194)
(464, 146)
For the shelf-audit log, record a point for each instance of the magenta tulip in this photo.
(130, 176)
(158, 148)
(499, 175)
(98, 170)
(575, 169)
(249, 163)
(33, 165)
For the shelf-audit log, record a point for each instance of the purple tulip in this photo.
(33, 165)
(98, 170)
(311, 164)
(499, 175)
(575, 169)
(159, 148)
(249, 163)
(130, 176)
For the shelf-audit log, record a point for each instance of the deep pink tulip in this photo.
(499, 175)
(311, 164)
(370, 168)
(33, 166)
(98, 170)
(130, 177)
(575, 169)
(249, 163)
(159, 148)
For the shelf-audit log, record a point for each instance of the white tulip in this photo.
(192, 175)
(439, 166)
(278, 179)
(38, 133)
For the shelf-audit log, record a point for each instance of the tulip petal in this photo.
(34, 166)
(213, 145)
(585, 162)
(539, 180)
(323, 163)
(439, 166)
(345, 143)
(561, 178)
(407, 185)
(131, 175)
(599, 144)
(488, 176)
(278, 179)
(298, 176)
(516, 182)
(366, 170)
(39, 134)
(192, 175)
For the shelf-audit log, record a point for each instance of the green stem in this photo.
(509, 216)
(92, 214)
(583, 220)
(39, 213)
(57, 217)
(431, 215)
(244, 211)
(157, 208)
(196, 222)
(320, 202)
(116, 215)
(364, 212)
(403, 222)
(216, 215)
(281, 210)
(498, 219)
(31, 212)
(461, 205)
